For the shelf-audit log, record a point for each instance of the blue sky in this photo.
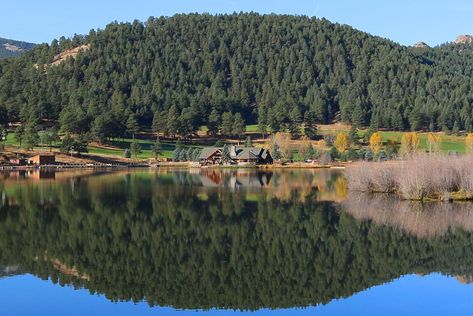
(404, 21)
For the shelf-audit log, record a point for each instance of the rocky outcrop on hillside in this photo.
(464, 39)
(420, 45)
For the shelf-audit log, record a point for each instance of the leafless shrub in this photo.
(416, 177)
(371, 177)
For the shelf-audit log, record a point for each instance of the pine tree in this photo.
(157, 148)
(126, 153)
(30, 138)
(183, 154)
(176, 153)
(455, 128)
(214, 122)
(263, 120)
(81, 144)
(159, 122)
(19, 134)
(67, 144)
(353, 135)
(294, 122)
(227, 123)
(196, 154)
(132, 125)
(135, 148)
(238, 126)
(248, 142)
(358, 116)
(310, 129)
(226, 154)
(172, 121)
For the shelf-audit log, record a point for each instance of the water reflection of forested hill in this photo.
(154, 237)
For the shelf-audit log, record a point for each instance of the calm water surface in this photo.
(226, 242)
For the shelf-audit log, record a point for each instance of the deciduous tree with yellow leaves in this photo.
(410, 143)
(376, 143)
(342, 142)
(469, 142)
(433, 141)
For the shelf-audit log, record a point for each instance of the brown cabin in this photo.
(42, 159)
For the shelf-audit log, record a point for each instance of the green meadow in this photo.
(449, 143)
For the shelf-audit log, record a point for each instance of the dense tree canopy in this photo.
(278, 71)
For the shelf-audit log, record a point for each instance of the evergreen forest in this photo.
(175, 74)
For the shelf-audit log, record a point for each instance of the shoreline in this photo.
(184, 165)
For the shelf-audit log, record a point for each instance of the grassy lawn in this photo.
(146, 148)
(449, 143)
(252, 128)
(114, 148)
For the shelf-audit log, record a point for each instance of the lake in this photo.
(209, 241)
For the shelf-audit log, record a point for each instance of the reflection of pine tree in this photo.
(274, 252)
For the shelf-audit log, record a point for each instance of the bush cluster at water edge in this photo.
(417, 177)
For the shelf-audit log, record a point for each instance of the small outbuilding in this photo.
(42, 159)
(18, 161)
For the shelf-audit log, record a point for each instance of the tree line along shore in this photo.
(330, 144)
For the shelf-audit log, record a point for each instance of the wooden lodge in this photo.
(238, 156)
(250, 155)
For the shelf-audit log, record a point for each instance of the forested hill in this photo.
(11, 48)
(276, 70)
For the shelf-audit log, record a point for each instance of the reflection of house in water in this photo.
(252, 180)
(211, 178)
(31, 174)
(235, 179)
(43, 174)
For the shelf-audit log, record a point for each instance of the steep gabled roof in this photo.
(209, 151)
(248, 153)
